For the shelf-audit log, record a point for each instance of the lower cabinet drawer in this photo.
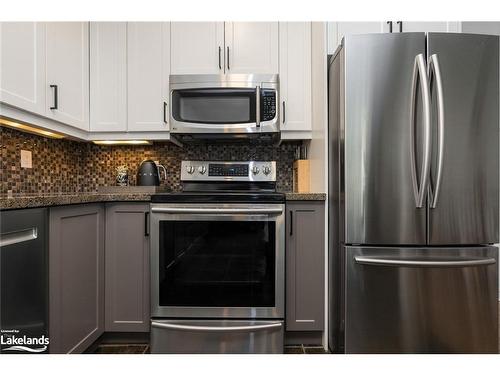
(216, 336)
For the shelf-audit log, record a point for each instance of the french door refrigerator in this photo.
(413, 183)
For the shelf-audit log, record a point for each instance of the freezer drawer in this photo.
(217, 336)
(421, 300)
(24, 276)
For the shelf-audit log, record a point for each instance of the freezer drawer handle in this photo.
(436, 71)
(182, 327)
(249, 211)
(369, 261)
(420, 71)
(18, 237)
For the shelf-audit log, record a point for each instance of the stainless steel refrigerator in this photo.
(413, 190)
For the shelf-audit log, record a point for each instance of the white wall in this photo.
(318, 151)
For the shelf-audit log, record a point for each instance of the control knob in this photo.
(255, 170)
(267, 170)
(202, 169)
(190, 169)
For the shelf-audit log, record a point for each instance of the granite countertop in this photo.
(46, 200)
(305, 196)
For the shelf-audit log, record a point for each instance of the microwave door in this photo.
(214, 109)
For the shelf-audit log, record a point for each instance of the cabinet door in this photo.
(148, 73)
(437, 27)
(22, 65)
(295, 76)
(251, 47)
(108, 76)
(67, 56)
(76, 277)
(491, 28)
(127, 267)
(305, 260)
(197, 47)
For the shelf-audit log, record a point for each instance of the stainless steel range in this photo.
(217, 261)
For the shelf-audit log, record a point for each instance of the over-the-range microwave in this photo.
(225, 106)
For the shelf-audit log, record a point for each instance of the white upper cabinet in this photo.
(22, 65)
(67, 72)
(251, 47)
(197, 47)
(224, 47)
(148, 75)
(491, 28)
(295, 77)
(108, 76)
(436, 27)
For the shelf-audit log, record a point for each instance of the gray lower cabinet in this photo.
(305, 266)
(127, 267)
(76, 277)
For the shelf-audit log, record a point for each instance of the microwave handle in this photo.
(257, 105)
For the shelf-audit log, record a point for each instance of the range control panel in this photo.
(231, 170)
(228, 171)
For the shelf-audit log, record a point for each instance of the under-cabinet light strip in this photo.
(28, 128)
(123, 142)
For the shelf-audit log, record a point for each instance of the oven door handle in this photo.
(247, 328)
(187, 210)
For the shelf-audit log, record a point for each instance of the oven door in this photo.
(217, 260)
(223, 104)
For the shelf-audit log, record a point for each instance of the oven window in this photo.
(214, 106)
(217, 263)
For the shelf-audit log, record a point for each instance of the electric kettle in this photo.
(149, 173)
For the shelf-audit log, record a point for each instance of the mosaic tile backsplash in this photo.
(65, 166)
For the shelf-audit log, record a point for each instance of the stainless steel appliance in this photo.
(413, 190)
(24, 281)
(228, 106)
(217, 261)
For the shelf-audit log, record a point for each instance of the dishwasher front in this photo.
(24, 281)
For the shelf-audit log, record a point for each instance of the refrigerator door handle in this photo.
(420, 72)
(370, 261)
(435, 70)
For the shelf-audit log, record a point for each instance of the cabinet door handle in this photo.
(165, 113)
(220, 64)
(228, 58)
(257, 106)
(55, 97)
(390, 26)
(291, 223)
(400, 23)
(146, 224)
(284, 112)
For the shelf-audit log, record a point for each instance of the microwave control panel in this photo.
(267, 104)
